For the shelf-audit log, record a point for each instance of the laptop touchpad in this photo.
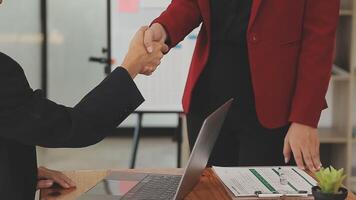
(117, 184)
(113, 187)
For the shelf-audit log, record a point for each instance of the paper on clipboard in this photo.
(246, 181)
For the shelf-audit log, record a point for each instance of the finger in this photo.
(61, 182)
(148, 73)
(159, 48)
(44, 184)
(160, 55)
(58, 177)
(307, 157)
(316, 155)
(156, 63)
(148, 40)
(287, 151)
(68, 180)
(317, 150)
(316, 160)
(140, 33)
(164, 48)
(139, 36)
(298, 158)
(144, 28)
(153, 70)
(145, 70)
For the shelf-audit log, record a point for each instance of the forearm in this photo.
(45, 123)
(113, 100)
(315, 61)
(179, 19)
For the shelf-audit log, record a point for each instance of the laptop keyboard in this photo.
(154, 187)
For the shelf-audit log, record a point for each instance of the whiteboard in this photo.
(163, 90)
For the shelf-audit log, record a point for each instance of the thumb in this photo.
(140, 33)
(142, 30)
(148, 40)
(287, 151)
(43, 184)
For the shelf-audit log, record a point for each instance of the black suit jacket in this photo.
(28, 119)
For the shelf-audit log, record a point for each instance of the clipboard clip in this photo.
(268, 195)
(274, 194)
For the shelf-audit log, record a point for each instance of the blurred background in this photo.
(67, 47)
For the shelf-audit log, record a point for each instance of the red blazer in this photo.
(290, 45)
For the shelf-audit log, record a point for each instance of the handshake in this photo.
(145, 52)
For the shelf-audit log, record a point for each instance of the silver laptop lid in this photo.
(202, 149)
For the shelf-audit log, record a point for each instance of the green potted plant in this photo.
(329, 184)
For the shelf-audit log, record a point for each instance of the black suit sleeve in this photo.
(35, 120)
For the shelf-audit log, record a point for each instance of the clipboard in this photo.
(266, 194)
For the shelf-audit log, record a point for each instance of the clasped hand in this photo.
(139, 60)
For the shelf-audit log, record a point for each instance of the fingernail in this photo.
(286, 160)
(150, 49)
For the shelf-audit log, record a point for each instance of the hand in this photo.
(303, 141)
(47, 177)
(137, 59)
(155, 33)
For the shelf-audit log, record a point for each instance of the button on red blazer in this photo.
(290, 45)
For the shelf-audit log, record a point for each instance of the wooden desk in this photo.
(209, 188)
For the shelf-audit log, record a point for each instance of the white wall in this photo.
(77, 30)
(20, 36)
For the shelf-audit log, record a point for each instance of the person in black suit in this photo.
(28, 119)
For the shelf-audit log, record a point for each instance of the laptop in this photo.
(143, 186)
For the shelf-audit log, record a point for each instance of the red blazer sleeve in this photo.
(179, 19)
(315, 62)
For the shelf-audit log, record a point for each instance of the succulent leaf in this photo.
(330, 180)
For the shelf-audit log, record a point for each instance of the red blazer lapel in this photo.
(255, 6)
(206, 13)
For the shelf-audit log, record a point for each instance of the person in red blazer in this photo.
(289, 45)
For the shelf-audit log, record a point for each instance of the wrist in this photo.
(301, 124)
(130, 68)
